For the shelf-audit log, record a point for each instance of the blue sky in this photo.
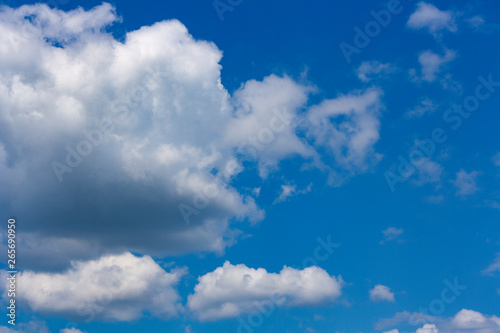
(251, 166)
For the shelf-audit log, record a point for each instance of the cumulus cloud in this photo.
(231, 290)
(427, 16)
(70, 330)
(473, 321)
(466, 182)
(465, 321)
(381, 293)
(392, 331)
(352, 140)
(121, 139)
(428, 328)
(120, 288)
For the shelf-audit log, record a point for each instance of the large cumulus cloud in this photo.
(108, 146)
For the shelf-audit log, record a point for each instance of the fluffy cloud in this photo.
(70, 330)
(231, 290)
(121, 139)
(350, 141)
(392, 331)
(465, 321)
(473, 321)
(427, 16)
(119, 288)
(428, 328)
(381, 293)
(431, 64)
(466, 182)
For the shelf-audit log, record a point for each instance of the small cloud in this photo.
(397, 319)
(289, 190)
(71, 330)
(381, 293)
(431, 64)
(466, 182)
(494, 267)
(429, 17)
(390, 234)
(426, 106)
(475, 22)
(428, 328)
(428, 171)
(473, 321)
(496, 159)
(318, 317)
(392, 331)
(435, 199)
(368, 70)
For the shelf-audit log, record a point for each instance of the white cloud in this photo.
(428, 328)
(426, 106)
(64, 79)
(431, 18)
(289, 190)
(428, 171)
(348, 127)
(231, 290)
(391, 234)
(368, 70)
(27, 327)
(71, 330)
(472, 321)
(392, 331)
(431, 64)
(466, 182)
(494, 267)
(119, 288)
(381, 293)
